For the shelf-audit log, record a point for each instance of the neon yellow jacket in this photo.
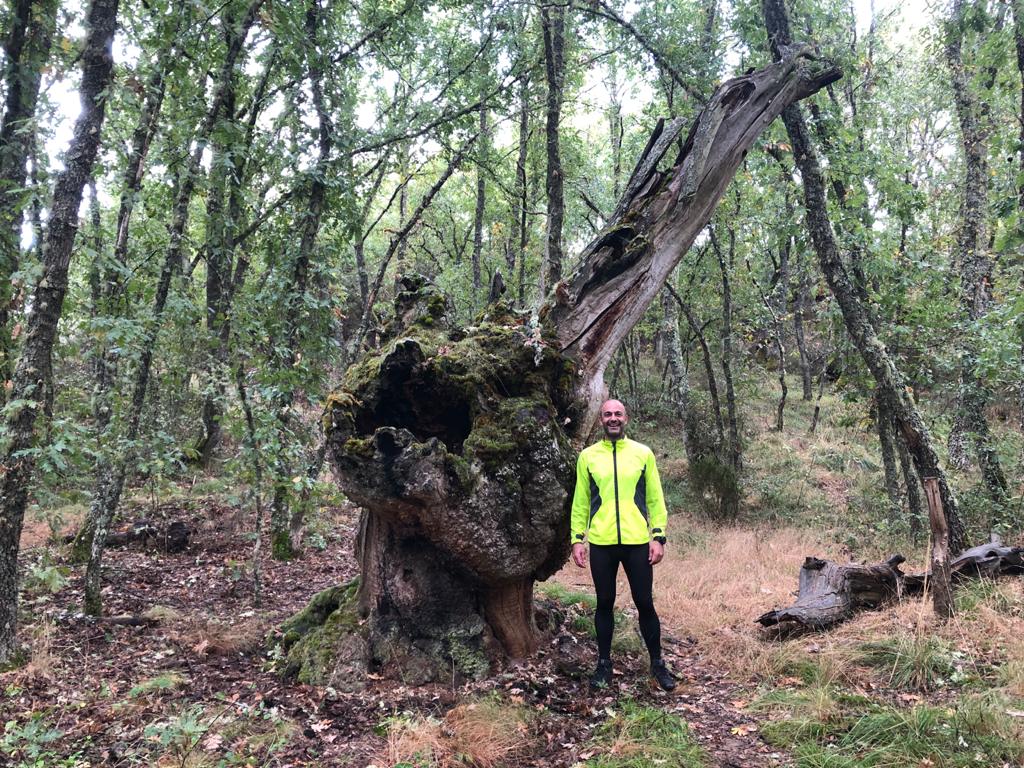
(618, 498)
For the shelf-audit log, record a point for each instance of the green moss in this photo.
(469, 661)
(325, 640)
(314, 615)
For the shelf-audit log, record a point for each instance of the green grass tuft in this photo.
(645, 737)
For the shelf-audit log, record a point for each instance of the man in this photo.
(619, 509)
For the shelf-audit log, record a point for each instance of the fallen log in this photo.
(171, 538)
(830, 593)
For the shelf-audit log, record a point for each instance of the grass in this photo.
(486, 733)
(643, 737)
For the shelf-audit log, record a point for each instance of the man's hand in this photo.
(579, 554)
(657, 551)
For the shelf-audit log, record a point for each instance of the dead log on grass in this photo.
(830, 593)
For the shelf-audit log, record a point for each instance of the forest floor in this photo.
(196, 685)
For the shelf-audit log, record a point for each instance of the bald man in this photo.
(619, 509)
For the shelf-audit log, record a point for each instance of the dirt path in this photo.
(199, 683)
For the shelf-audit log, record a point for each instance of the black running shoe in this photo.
(663, 677)
(602, 676)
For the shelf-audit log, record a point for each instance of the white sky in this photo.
(915, 15)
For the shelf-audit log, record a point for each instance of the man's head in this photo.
(614, 419)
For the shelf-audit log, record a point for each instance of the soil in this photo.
(121, 695)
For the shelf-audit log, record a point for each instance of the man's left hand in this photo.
(657, 551)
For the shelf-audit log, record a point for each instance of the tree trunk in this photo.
(519, 235)
(478, 212)
(678, 378)
(802, 294)
(26, 50)
(855, 315)
(109, 480)
(553, 27)
(457, 442)
(34, 365)
(284, 528)
(887, 445)
(1018, 41)
(976, 270)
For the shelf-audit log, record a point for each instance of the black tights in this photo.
(604, 567)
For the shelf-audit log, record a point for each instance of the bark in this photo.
(830, 593)
(553, 28)
(284, 528)
(34, 365)
(26, 49)
(478, 212)
(733, 449)
(976, 270)
(941, 584)
(457, 442)
(519, 237)
(110, 478)
(678, 378)
(802, 295)
(1018, 41)
(709, 368)
(887, 377)
(887, 445)
(915, 497)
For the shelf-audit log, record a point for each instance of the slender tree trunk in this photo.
(110, 480)
(285, 529)
(478, 212)
(916, 508)
(34, 365)
(678, 379)
(887, 445)
(553, 27)
(733, 452)
(1018, 41)
(802, 295)
(858, 324)
(518, 235)
(26, 49)
(976, 269)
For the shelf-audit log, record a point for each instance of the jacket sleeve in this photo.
(655, 498)
(580, 502)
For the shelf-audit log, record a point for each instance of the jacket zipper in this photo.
(615, 482)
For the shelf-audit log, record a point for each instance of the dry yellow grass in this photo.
(484, 734)
(715, 592)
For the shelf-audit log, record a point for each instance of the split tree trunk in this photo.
(31, 378)
(457, 443)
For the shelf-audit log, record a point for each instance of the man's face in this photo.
(614, 419)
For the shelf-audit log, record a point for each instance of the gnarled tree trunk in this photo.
(459, 443)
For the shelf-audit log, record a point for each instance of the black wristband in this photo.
(661, 540)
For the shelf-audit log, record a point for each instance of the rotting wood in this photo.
(830, 593)
(941, 584)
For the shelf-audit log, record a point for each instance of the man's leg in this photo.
(604, 566)
(640, 573)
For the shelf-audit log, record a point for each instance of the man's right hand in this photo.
(579, 554)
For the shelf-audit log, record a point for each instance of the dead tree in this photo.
(831, 593)
(458, 443)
